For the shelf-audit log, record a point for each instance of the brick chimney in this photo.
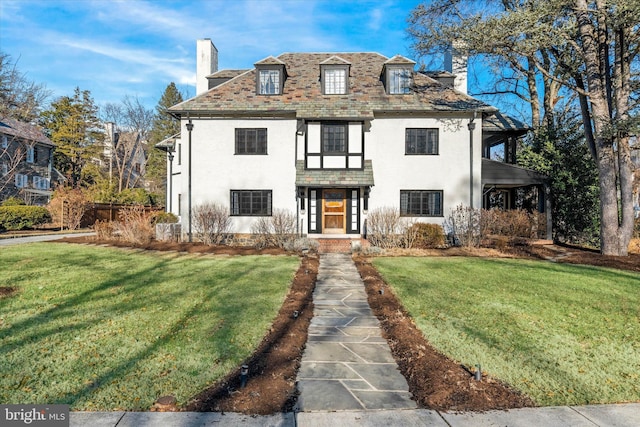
(455, 62)
(206, 64)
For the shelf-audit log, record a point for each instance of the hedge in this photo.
(23, 217)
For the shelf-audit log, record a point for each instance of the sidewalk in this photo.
(626, 415)
(348, 377)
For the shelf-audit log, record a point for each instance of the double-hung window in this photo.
(40, 183)
(421, 141)
(251, 141)
(251, 202)
(420, 202)
(399, 80)
(334, 139)
(21, 180)
(269, 82)
(335, 81)
(30, 154)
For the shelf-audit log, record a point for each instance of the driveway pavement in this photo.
(7, 241)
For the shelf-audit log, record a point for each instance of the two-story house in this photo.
(26, 162)
(333, 136)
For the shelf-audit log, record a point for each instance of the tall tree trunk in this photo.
(612, 234)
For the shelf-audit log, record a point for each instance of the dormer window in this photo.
(399, 80)
(269, 82)
(270, 76)
(397, 75)
(334, 76)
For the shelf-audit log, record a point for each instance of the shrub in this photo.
(211, 222)
(166, 218)
(134, 225)
(385, 228)
(425, 236)
(510, 223)
(67, 207)
(13, 201)
(301, 244)
(277, 230)
(463, 226)
(23, 217)
(105, 230)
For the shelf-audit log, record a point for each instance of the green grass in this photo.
(562, 334)
(107, 329)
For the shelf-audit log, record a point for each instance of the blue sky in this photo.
(137, 47)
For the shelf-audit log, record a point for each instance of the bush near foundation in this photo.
(23, 217)
(277, 230)
(425, 236)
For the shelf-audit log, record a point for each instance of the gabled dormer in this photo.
(270, 76)
(334, 76)
(397, 75)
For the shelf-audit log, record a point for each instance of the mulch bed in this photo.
(435, 381)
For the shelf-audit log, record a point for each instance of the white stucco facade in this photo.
(278, 137)
(217, 169)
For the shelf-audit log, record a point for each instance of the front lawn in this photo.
(563, 334)
(108, 329)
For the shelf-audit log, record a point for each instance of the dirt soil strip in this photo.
(435, 381)
(271, 385)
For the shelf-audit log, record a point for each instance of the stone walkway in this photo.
(347, 365)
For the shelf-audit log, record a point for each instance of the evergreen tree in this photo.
(164, 126)
(72, 124)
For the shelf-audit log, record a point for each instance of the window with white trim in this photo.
(334, 81)
(30, 154)
(420, 202)
(269, 82)
(40, 183)
(398, 80)
(251, 202)
(421, 141)
(21, 180)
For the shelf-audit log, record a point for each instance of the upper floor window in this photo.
(251, 202)
(334, 81)
(30, 154)
(269, 82)
(421, 141)
(420, 203)
(5, 141)
(4, 169)
(398, 80)
(251, 141)
(334, 138)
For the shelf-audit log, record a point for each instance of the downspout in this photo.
(189, 129)
(472, 127)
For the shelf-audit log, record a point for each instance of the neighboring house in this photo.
(124, 155)
(332, 136)
(26, 162)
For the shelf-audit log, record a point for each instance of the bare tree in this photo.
(587, 47)
(20, 98)
(10, 158)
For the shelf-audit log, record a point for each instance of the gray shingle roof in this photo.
(26, 131)
(334, 178)
(302, 93)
